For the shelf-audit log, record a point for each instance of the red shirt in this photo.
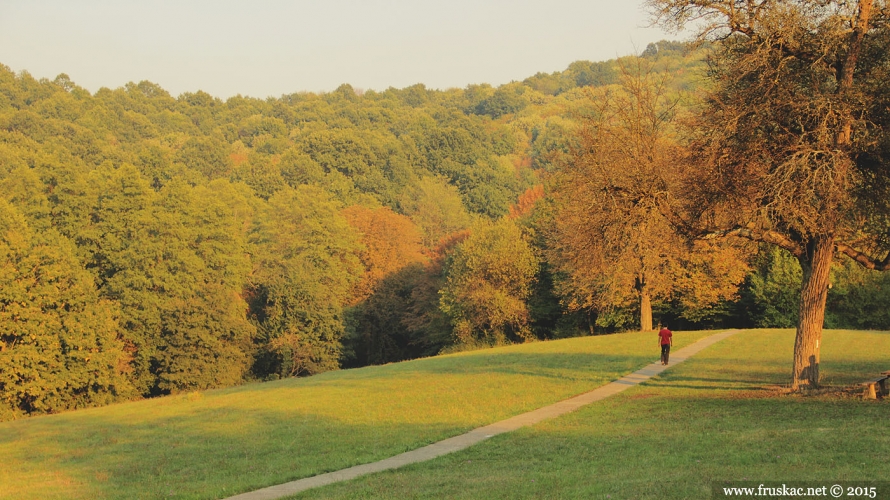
(665, 335)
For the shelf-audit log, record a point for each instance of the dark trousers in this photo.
(665, 353)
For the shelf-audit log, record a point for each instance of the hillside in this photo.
(719, 415)
(719, 419)
(210, 444)
(155, 245)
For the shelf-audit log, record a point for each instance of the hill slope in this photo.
(719, 419)
(220, 442)
(217, 443)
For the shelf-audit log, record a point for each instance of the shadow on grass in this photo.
(219, 443)
(833, 374)
(563, 366)
(207, 454)
(711, 387)
(670, 447)
(851, 372)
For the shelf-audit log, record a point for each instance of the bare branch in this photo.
(864, 260)
(771, 237)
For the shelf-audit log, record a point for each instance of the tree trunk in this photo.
(816, 264)
(816, 261)
(645, 310)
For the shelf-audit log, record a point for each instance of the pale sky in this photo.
(267, 48)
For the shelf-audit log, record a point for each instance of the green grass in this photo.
(218, 443)
(720, 416)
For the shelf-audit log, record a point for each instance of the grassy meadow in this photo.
(217, 443)
(720, 416)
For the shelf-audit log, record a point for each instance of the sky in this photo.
(263, 48)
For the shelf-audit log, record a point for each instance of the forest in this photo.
(152, 244)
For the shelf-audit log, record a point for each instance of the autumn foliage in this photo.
(152, 244)
(391, 242)
(526, 202)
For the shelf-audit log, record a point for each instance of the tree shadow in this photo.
(563, 366)
(213, 453)
(221, 443)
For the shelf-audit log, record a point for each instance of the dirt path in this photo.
(462, 441)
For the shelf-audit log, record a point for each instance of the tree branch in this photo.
(864, 260)
(771, 237)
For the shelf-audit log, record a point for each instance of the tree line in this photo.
(154, 244)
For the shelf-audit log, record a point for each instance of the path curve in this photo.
(462, 441)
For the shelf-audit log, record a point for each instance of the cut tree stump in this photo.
(870, 392)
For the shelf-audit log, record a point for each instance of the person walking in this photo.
(666, 340)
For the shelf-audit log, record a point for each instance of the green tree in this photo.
(106, 213)
(60, 345)
(859, 298)
(436, 208)
(306, 264)
(175, 262)
(506, 99)
(208, 155)
(199, 271)
(24, 189)
(771, 291)
(349, 153)
(488, 279)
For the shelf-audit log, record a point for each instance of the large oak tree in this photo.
(788, 146)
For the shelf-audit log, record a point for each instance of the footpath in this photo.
(463, 441)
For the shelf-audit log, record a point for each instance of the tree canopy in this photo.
(790, 141)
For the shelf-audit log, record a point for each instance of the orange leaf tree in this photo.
(393, 258)
(790, 147)
(612, 234)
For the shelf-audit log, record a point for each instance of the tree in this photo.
(306, 265)
(505, 100)
(435, 206)
(488, 279)
(771, 291)
(208, 155)
(198, 270)
(428, 328)
(612, 233)
(860, 298)
(789, 140)
(380, 299)
(175, 263)
(380, 327)
(526, 202)
(105, 213)
(391, 242)
(60, 345)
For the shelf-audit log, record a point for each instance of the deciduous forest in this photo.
(152, 244)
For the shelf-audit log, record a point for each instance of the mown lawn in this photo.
(721, 416)
(217, 443)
